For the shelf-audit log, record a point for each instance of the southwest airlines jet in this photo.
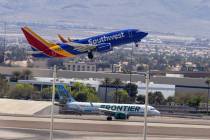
(111, 110)
(70, 48)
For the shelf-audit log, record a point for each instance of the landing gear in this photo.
(90, 55)
(109, 118)
(136, 44)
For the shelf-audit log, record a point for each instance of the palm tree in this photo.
(117, 82)
(27, 74)
(207, 101)
(16, 75)
(106, 82)
(3, 86)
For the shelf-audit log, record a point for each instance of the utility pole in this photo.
(5, 32)
(106, 92)
(52, 106)
(131, 61)
(3, 49)
(208, 100)
(147, 76)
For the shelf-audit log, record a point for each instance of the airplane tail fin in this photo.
(64, 95)
(36, 41)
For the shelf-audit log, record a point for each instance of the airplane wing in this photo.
(82, 47)
(77, 46)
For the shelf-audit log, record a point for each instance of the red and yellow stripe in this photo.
(50, 49)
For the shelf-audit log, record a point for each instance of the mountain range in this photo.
(184, 17)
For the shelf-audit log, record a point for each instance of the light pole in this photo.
(207, 100)
(106, 90)
(3, 49)
(146, 104)
(5, 32)
(131, 69)
(52, 106)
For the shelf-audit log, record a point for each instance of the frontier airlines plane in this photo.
(111, 110)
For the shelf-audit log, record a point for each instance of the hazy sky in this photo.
(188, 17)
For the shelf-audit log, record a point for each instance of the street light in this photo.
(146, 104)
(207, 101)
(131, 69)
(3, 49)
(52, 106)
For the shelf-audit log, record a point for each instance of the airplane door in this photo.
(130, 34)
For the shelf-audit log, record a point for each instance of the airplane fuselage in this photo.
(71, 48)
(95, 108)
(116, 38)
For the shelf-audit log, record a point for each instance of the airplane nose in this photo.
(157, 113)
(144, 34)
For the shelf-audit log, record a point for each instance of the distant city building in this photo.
(174, 75)
(41, 82)
(17, 63)
(166, 89)
(189, 66)
(80, 66)
(117, 67)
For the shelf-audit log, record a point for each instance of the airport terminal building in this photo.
(41, 82)
(183, 85)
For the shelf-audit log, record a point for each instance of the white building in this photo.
(165, 89)
(80, 66)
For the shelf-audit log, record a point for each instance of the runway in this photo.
(157, 128)
(37, 134)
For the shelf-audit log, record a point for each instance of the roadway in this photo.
(81, 129)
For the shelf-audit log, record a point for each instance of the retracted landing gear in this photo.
(109, 118)
(90, 55)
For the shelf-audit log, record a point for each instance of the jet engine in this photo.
(104, 47)
(120, 115)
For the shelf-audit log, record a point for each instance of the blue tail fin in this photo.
(64, 94)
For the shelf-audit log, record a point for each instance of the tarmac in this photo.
(22, 107)
(37, 134)
(84, 129)
(24, 120)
